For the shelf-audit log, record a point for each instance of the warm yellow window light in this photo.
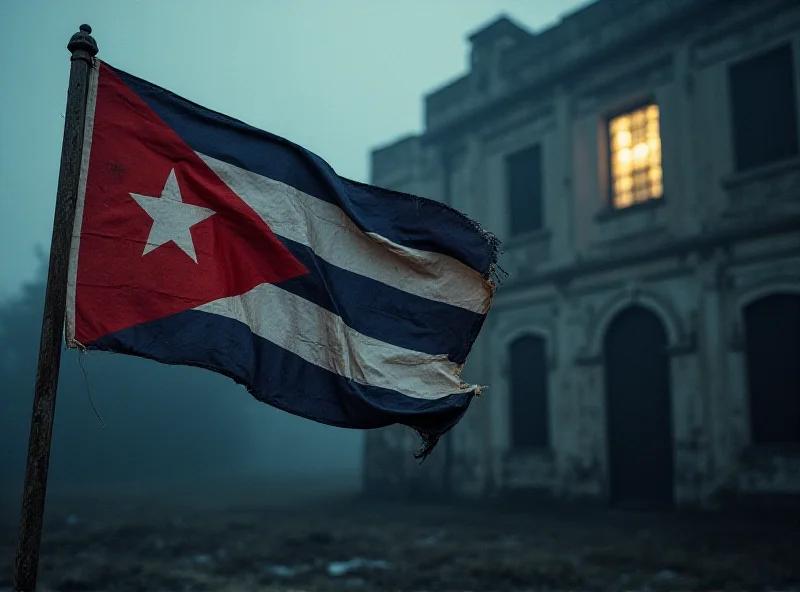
(635, 157)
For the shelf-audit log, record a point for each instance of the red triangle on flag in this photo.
(136, 255)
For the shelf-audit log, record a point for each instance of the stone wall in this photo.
(716, 241)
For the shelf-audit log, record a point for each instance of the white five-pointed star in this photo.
(172, 218)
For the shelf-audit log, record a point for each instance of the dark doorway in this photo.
(772, 330)
(638, 411)
(529, 411)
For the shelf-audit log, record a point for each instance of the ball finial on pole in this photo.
(83, 42)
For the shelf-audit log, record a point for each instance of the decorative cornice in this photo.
(562, 64)
(674, 248)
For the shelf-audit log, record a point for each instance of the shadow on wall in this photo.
(164, 425)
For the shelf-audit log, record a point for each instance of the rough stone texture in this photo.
(569, 280)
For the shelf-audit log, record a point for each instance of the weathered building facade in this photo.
(640, 162)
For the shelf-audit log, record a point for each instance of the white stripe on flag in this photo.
(322, 338)
(330, 233)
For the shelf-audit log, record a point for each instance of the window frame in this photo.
(626, 109)
(794, 70)
(507, 156)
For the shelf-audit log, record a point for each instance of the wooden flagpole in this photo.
(83, 48)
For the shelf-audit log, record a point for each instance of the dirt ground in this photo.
(345, 543)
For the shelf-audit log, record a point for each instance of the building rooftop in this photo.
(524, 60)
(502, 27)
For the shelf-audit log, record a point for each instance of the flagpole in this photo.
(83, 48)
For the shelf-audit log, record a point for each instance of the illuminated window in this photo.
(636, 174)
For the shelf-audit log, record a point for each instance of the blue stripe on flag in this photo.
(404, 219)
(383, 312)
(279, 377)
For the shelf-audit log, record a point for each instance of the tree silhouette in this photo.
(162, 422)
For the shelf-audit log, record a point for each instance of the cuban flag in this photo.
(200, 240)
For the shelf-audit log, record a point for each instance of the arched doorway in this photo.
(529, 410)
(638, 411)
(772, 349)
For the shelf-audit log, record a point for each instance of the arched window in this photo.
(530, 424)
(772, 350)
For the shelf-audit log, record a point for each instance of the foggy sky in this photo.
(336, 76)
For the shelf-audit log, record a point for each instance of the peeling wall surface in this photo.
(658, 319)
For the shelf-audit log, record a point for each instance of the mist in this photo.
(126, 424)
(335, 97)
(637, 424)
